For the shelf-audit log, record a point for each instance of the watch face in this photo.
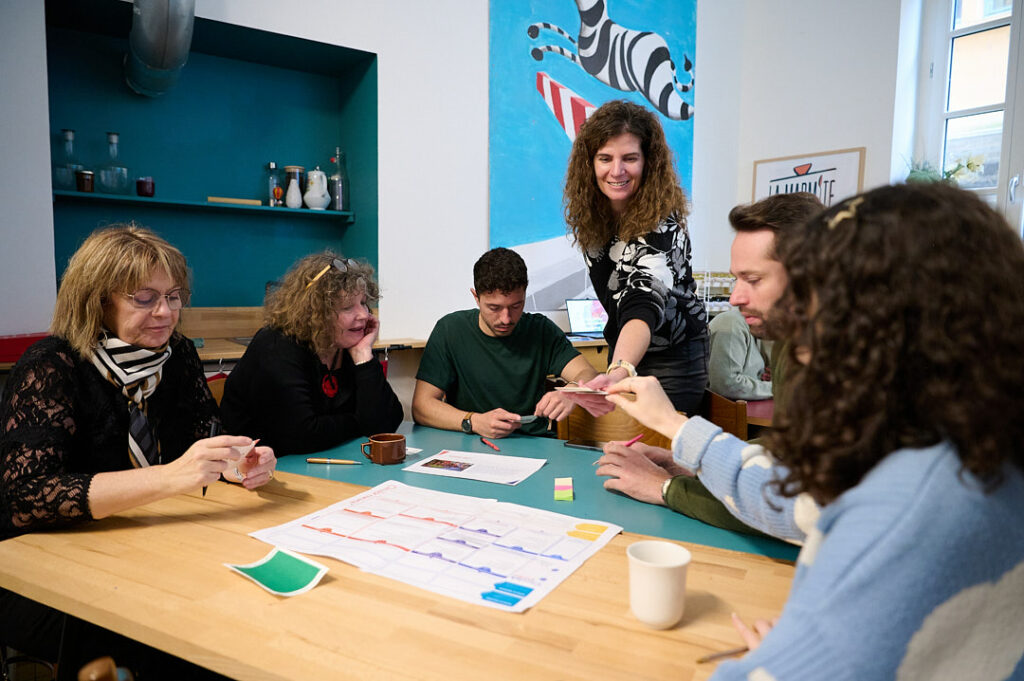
(467, 425)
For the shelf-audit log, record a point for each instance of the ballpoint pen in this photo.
(214, 432)
(628, 444)
(349, 462)
(725, 653)
(489, 443)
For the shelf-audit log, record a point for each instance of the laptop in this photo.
(586, 317)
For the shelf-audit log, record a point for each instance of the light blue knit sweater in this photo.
(915, 573)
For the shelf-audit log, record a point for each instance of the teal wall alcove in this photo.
(244, 98)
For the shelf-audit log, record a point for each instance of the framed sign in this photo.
(830, 175)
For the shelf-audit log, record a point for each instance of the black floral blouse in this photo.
(62, 422)
(649, 278)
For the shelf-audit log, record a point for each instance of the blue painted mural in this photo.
(554, 61)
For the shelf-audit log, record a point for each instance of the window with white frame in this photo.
(977, 49)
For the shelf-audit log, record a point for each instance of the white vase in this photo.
(293, 199)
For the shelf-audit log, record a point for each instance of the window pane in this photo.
(971, 12)
(977, 74)
(976, 137)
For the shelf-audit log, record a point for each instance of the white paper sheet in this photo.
(505, 470)
(481, 551)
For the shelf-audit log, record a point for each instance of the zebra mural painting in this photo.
(625, 59)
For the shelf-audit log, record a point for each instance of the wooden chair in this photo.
(729, 415)
(216, 385)
(616, 425)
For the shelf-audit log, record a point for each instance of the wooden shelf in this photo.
(97, 197)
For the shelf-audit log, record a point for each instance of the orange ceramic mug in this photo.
(385, 448)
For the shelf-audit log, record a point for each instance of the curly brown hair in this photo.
(304, 305)
(588, 212)
(909, 301)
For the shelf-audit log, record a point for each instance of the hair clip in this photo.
(848, 212)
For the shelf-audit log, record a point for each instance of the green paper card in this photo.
(282, 572)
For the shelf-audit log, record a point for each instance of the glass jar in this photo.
(293, 183)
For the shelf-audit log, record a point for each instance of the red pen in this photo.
(489, 443)
(635, 440)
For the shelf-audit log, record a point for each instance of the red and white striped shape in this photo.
(568, 107)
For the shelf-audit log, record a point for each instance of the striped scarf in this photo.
(136, 371)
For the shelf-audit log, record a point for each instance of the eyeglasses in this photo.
(147, 298)
(338, 264)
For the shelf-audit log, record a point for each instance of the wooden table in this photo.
(225, 348)
(155, 574)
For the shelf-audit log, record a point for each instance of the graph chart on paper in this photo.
(482, 551)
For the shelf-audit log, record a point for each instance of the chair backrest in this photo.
(616, 425)
(729, 415)
(216, 385)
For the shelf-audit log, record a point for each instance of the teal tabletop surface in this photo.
(591, 501)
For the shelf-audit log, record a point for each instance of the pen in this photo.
(349, 462)
(628, 444)
(489, 443)
(724, 653)
(214, 432)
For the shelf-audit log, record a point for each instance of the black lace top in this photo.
(62, 422)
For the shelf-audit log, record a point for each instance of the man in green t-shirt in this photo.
(483, 369)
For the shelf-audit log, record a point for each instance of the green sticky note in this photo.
(563, 489)
(282, 572)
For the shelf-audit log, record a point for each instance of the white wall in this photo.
(432, 129)
(26, 226)
(774, 77)
(782, 77)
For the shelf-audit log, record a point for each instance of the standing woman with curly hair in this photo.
(309, 380)
(627, 212)
(905, 424)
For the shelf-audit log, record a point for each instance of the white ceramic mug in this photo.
(657, 582)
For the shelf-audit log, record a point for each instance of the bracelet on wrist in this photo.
(664, 490)
(622, 364)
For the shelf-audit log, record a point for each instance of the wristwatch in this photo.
(622, 364)
(664, 489)
(467, 423)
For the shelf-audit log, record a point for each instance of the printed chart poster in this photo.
(831, 176)
(552, 63)
(481, 551)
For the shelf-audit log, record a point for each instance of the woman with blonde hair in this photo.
(627, 212)
(309, 380)
(109, 412)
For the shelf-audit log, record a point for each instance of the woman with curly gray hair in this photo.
(309, 380)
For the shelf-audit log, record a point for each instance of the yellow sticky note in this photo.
(591, 527)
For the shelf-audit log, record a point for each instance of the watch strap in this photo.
(622, 364)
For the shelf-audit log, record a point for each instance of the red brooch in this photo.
(329, 385)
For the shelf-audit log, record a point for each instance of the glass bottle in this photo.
(337, 183)
(66, 163)
(112, 176)
(275, 192)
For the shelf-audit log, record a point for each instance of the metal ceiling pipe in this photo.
(158, 44)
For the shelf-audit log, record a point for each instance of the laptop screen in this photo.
(586, 315)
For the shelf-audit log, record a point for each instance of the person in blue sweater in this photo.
(905, 425)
